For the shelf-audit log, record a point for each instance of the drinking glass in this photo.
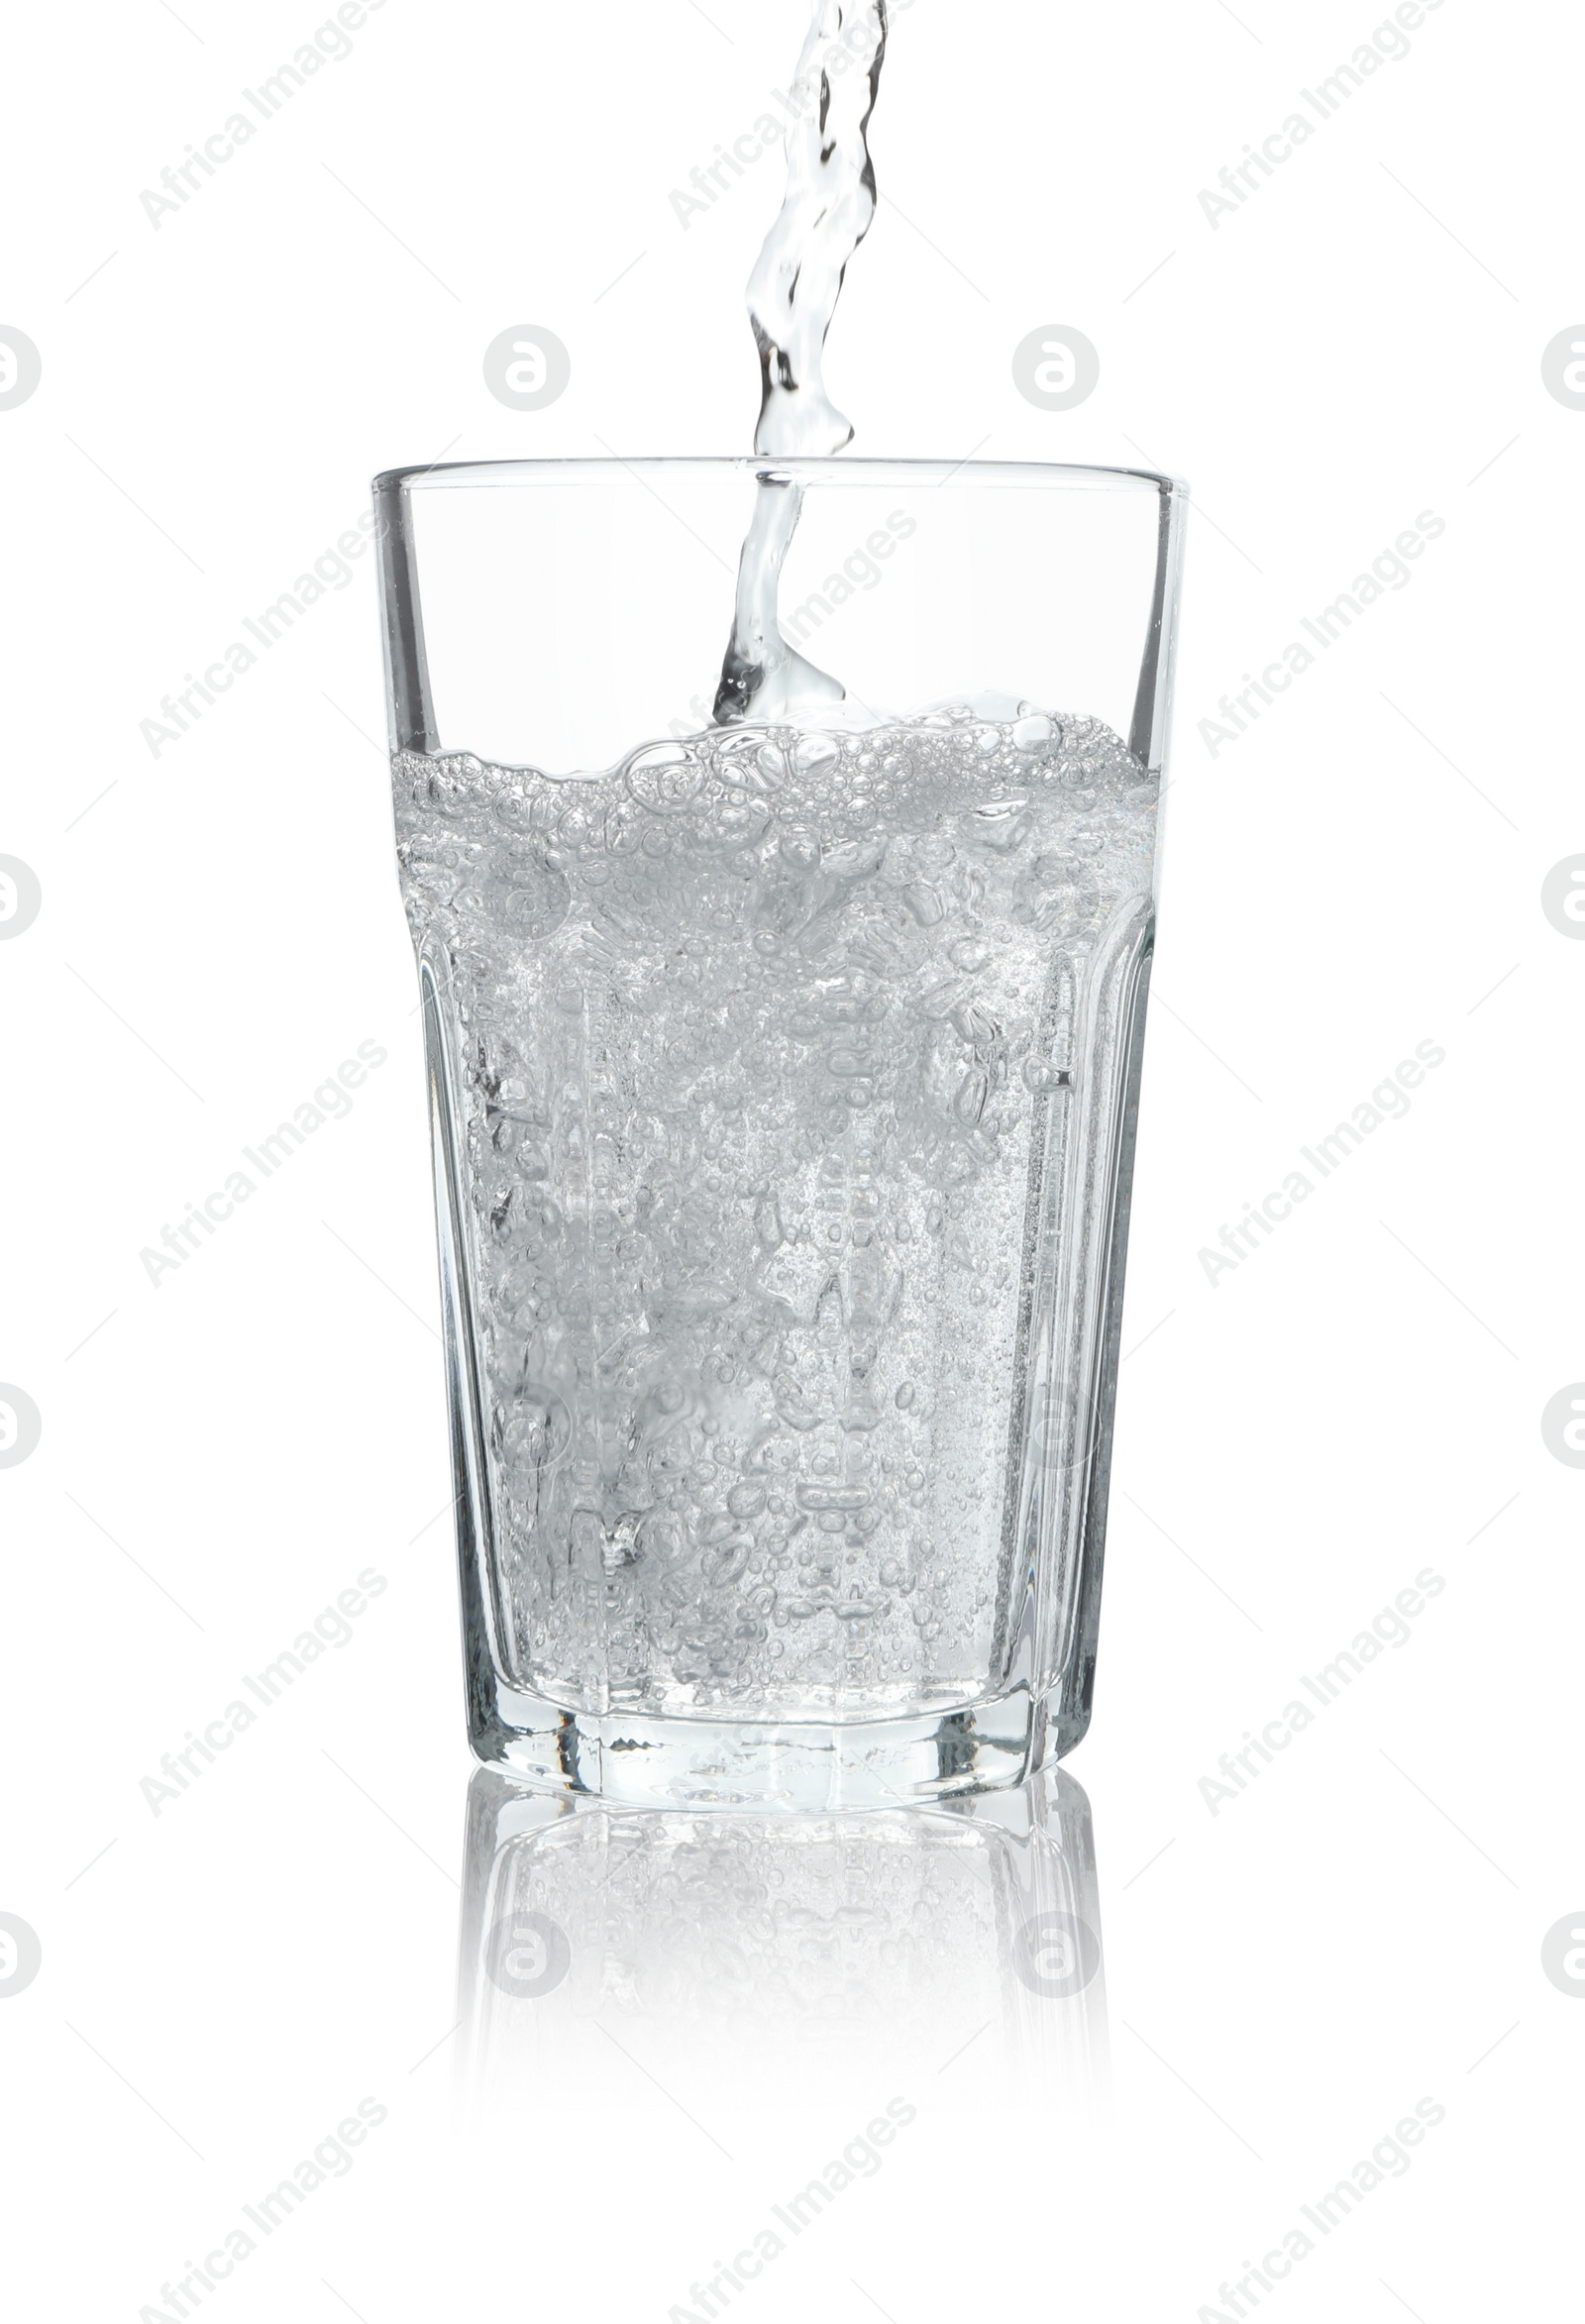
(782, 1083)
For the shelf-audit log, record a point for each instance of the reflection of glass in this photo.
(765, 1954)
(782, 1080)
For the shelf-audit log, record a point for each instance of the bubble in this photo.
(816, 752)
(664, 777)
(518, 810)
(1065, 897)
(856, 859)
(448, 792)
(723, 1562)
(1001, 823)
(539, 1430)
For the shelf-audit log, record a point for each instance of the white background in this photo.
(1361, 1927)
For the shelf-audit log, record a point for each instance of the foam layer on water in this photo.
(763, 1044)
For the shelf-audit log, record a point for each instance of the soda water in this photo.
(766, 1044)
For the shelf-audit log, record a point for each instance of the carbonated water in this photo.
(766, 1044)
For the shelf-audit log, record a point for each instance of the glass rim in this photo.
(410, 705)
(830, 469)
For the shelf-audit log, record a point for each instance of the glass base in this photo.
(987, 1745)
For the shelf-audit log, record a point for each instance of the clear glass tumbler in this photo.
(782, 1083)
